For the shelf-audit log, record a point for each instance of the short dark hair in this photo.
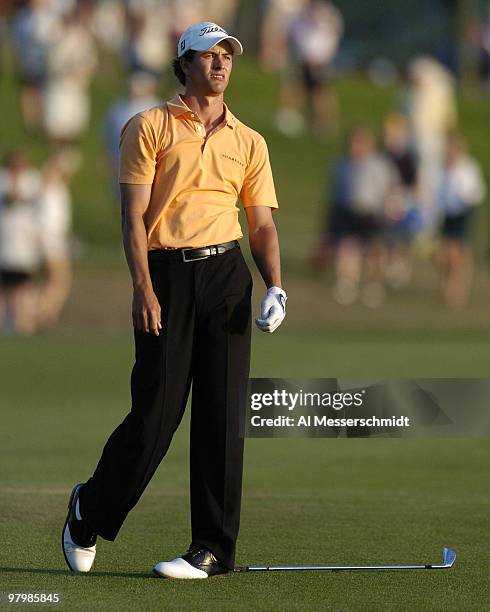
(179, 73)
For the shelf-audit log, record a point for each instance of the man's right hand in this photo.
(146, 311)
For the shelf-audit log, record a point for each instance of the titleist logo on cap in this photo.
(209, 30)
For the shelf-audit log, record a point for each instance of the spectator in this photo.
(20, 254)
(109, 25)
(33, 27)
(314, 35)
(140, 96)
(148, 37)
(461, 187)
(363, 182)
(278, 14)
(402, 215)
(432, 112)
(54, 226)
(72, 61)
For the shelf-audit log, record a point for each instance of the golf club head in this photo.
(449, 557)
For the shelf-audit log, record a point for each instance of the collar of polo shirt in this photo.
(178, 107)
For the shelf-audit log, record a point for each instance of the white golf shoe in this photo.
(77, 539)
(198, 563)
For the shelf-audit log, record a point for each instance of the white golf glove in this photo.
(273, 309)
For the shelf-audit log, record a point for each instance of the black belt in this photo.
(193, 254)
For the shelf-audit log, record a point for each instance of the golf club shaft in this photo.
(333, 568)
(449, 556)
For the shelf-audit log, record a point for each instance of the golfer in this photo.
(183, 166)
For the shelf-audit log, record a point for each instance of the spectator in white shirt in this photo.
(32, 30)
(54, 222)
(313, 35)
(20, 249)
(460, 189)
(72, 60)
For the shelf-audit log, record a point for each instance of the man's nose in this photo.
(218, 62)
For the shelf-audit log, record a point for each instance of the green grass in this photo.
(305, 501)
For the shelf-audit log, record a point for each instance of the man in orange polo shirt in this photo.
(183, 167)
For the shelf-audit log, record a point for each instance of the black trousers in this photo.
(205, 341)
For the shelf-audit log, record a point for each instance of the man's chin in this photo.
(218, 86)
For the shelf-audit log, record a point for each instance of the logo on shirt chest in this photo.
(233, 159)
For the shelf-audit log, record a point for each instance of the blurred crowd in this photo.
(421, 182)
(419, 188)
(35, 227)
(56, 45)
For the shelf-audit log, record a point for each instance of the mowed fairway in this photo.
(305, 500)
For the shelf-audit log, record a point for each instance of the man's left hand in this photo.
(273, 310)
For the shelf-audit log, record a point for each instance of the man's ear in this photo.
(184, 64)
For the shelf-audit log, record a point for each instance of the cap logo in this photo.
(209, 30)
(182, 45)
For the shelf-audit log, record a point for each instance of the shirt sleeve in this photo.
(137, 152)
(258, 184)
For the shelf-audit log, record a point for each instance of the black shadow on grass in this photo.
(63, 572)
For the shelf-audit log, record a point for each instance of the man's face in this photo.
(361, 145)
(209, 72)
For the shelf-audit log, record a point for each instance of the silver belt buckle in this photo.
(185, 260)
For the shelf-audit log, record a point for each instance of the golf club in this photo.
(449, 557)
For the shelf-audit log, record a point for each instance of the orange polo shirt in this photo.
(196, 182)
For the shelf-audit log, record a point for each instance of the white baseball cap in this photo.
(202, 36)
